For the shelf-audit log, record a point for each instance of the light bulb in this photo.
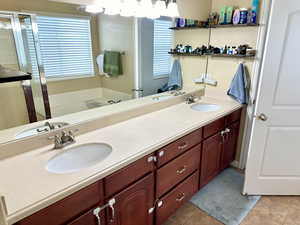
(112, 7)
(144, 8)
(152, 13)
(161, 7)
(172, 9)
(128, 8)
(93, 9)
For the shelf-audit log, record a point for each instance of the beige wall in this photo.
(193, 67)
(117, 33)
(194, 9)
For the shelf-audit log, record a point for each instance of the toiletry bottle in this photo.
(234, 50)
(222, 19)
(229, 51)
(225, 50)
(229, 14)
(236, 17)
(243, 15)
(255, 5)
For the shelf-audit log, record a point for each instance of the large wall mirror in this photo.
(56, 59)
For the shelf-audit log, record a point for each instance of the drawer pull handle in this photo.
(183, 146)
(181, 171)
(96, 214)
(111, 206)
(97, 210)
(180, 198)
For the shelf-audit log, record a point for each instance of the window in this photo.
(163, 42)
(66, 48)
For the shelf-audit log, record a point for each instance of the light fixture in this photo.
(161, 7)
(172, 9)
(94, 9)
(128, 8)
(112, 7)
(143, 8)
(137, 8)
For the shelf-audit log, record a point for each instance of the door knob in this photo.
(262, 117)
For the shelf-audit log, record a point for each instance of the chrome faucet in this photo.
(64, 139)
(50, 127)
(191, 99)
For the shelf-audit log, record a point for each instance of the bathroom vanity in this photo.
(151, 188)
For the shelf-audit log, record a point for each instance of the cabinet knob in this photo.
(159, 204)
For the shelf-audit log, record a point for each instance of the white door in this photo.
(273, 165)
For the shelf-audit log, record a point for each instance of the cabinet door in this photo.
(68, 208)
(210, 160)
(230, 142)
(132, 205)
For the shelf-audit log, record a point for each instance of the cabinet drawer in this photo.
(176, 198)
(233, 117)
(213, 127)
(69, 208)
(178, 147)
(128, 175)
(177, 170)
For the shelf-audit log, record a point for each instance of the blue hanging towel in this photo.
(175, 77)
(239, 86)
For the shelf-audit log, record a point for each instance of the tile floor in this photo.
(270, 210)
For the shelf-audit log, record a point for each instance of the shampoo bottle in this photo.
(222, 19)
(255, 5)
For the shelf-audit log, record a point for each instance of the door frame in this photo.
(256, 80)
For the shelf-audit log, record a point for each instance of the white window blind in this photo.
(66, 47)
(163, 42)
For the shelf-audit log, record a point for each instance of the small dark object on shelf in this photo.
(226, 51)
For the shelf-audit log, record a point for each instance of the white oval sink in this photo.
(79, 157)
(204, 107)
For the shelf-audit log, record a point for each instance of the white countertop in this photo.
(27, 187)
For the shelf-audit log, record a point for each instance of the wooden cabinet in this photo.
(178, 147)
(210, 160)
(233, 117)
(69, 208)
(230, 144)
(213, 128)
(132, 205)
(89, 219)
(128, 175)
(168, 204)
(177, 170)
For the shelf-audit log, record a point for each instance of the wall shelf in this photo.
(213, 55)
(216, 26)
